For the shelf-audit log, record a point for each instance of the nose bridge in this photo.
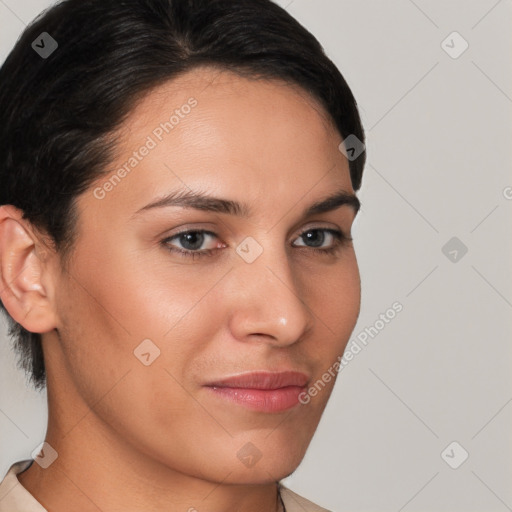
(268, 299)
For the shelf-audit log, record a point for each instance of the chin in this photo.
(271, 464)
(261, 474)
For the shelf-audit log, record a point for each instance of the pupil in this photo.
(317, 241)
(188, 238)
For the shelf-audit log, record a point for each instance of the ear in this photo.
(26, 285)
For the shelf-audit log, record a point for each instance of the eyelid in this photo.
(193, 230)
(319, 225)
(341, 239)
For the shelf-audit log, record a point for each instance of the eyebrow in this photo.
(202, 201)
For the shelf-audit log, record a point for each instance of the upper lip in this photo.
(262, 380)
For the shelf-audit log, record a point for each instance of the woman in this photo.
(178, 189)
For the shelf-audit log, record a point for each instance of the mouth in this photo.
(261, 391)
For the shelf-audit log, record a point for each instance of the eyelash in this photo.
(340, 240)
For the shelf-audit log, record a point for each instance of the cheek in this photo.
(133, 304)
(336, 304)
(109, 311)
(335, 298)
(349, 297)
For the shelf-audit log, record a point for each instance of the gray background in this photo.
(439, 159)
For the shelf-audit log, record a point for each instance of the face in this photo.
(164, 299)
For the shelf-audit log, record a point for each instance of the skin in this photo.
(133, 437)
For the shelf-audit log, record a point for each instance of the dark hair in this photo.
(58, 112)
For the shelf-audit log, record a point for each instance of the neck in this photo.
(97, 469)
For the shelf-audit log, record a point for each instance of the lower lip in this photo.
(263, 400)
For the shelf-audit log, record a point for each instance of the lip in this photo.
(261, 391)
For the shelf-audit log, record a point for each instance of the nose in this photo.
(268, 301)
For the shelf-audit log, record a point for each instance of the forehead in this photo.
(216, 87)
(258, 112)
(263, 139)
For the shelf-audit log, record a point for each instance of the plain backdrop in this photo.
(438, 179)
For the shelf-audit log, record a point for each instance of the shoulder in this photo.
(296, 503)
(13, 496)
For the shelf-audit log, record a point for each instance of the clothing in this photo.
(15, 498)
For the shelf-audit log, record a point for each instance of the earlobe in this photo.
(24, 285)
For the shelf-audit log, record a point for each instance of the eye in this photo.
(317, 237)
(191, 242)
